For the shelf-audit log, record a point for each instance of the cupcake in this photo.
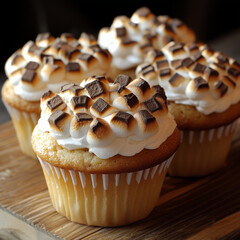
(46, 64)
(203, 90)
(128, 39)
(105, 149)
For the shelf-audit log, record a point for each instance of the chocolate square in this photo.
(221, 87)
(32, 66)
(143, 12)
(165, 72)
(160, 92)
(95, 88)
(28, 76)
(176, 47)
(123, 117)
(142, 85)
(56, 116)
(42, 36)
(83, 117)
(233, 72)
(85, 57)
(74, 88)
(198, 67)
(200, 83)
(176, 79)
(47, 94)
(54, 102)
(152, 105)
(147, 70)
(187, 62)
(73, 67)
(146, 116)
(100, 105)
(162, 64)
(80, 101)
(131, 100)
(121, 31)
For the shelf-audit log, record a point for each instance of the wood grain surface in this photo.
(193, 209)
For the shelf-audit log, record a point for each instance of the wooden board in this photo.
(204, 208)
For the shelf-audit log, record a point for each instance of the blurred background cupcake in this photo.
(45, 64)
(203, 91)
(128, 39)
(105, 149)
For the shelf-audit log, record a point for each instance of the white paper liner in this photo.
(219, 132)
(104, 199)
(141, 175)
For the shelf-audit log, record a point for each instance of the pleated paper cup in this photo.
(24, 123)
(202, 152)
(104, 199)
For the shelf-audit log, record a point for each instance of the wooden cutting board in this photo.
(204, 208)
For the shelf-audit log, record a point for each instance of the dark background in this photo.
(23, 20)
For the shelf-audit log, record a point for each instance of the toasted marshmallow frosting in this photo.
(123, 117)
(128, 39)
(195, 75)
(49, 62)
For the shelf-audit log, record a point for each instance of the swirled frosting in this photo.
(123, 117)
(49, 62)
(128, 39)
(195, 75)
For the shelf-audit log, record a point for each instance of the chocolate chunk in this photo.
(165, 72)
(131, 100)
(222, 58)
(80, 101)
(187, 62)
(85, 57)
(229, 80)
(74, 88)
(157, 53)
(95, 88)
(152, 105)
(68, 51)
(142, 85)
(43, 36)
(58, 44)
(100, 105)
(144, 65)
(50, 60)
(73, 67)
(233, 72)
(177, 63)
(221, 87)
(146, 116)
(176, 47)
(127, 41)
(236, 63)
(36, 50)
(56, 116)
(123, 117)
(54, 102)
(176, 79)
(123, 80)
(162, 64)
(32, 66)
(83, 117)
(47, 94)
(147, 70)
(198, 67)
(96, 126)
(160, 93)
(197, 56)
(143, 12)
(28, 76)
(169, 27)
(210, 72)
(121, 31)
(200, 83)
(220, 65)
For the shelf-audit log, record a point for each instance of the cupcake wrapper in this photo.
(202, 152)
(24, 123)
(104, 199)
